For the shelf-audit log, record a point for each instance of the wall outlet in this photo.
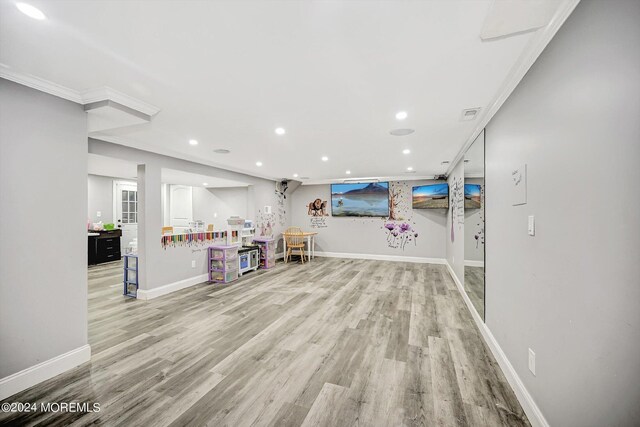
(193, 263)
(532, 226)
(532, 362)
(98, 214)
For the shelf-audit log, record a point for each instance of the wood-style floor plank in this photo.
(332, 342)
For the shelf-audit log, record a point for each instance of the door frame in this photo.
(114, 200)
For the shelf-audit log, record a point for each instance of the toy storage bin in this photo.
(230, 276)
(267, 251)
(223, 263)
(130, 282)
(216, 276)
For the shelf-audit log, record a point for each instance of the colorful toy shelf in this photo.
(267, 251)
(130, 275)
(223, 263)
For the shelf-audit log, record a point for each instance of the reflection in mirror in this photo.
(474, 224)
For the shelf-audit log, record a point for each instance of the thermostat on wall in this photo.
(267, 209)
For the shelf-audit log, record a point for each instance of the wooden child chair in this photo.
(295, 240)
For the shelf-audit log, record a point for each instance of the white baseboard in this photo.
(397, 258)
(147, 294)
(536, 418)
(469, 263)
(29, 377)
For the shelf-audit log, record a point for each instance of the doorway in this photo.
(126, 213)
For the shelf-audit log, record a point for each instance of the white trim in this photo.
(40, 84)
(469, 263)
(396, 258)
(406, 177)
(145, 294)
(85, 97)
(536, 418)
(106, 93)
(536, 45)
(43, 371)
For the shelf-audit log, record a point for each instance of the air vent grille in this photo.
(470, 113)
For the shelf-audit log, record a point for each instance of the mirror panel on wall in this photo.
(474, 229)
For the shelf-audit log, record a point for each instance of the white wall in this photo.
(455, 222)
(572, 292)
(368, 235)
(43, 216)
(215, 205)
(160, 266)
(100, 198)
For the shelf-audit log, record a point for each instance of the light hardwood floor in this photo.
(335, 342)
(474, 285)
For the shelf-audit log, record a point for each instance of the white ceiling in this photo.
(227, 73)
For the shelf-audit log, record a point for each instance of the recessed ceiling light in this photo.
(295, 175)
(406, 151)
(401, 132)
(280, 131)
(30, 11)
(325, 159)
(409, 168)
(348, 172)
(401, 115)
(258, 164)
(221, 151)
(193, 142)
(205, 184)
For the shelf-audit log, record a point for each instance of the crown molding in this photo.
(536, 45)
(85, 97)
(107, 94)
(40, 84)
(356, 180)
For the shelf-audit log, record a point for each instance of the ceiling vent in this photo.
(470, 113)
(221, 151)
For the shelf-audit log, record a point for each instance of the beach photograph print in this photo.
(360, 200)
(472, 196)
(434, 196)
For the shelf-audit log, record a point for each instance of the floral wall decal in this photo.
(456, 208)
(400, 231)
(479, 234)
(265, 224)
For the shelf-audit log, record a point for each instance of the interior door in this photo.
(180, 207)
(126, 198)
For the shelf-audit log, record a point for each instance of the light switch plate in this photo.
(532, 225)
(193, 264)
(98, 214)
